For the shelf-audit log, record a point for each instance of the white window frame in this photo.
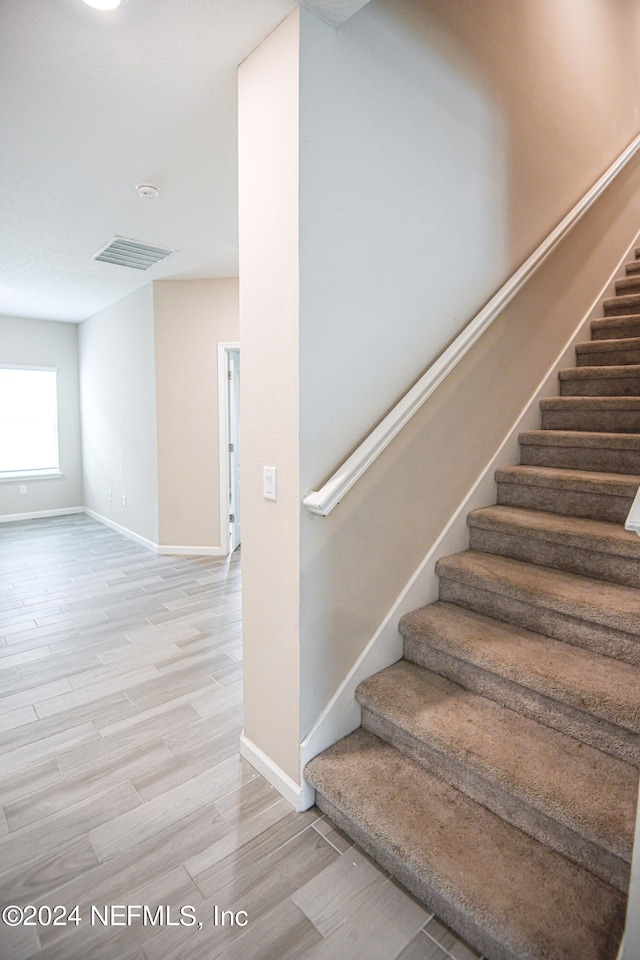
(53, 471)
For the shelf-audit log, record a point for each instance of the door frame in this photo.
(223, 441)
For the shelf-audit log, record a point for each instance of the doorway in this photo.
(229, 417)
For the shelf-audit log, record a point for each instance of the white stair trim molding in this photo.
(322, 501)
(39, 514)
(342, 714)
(300, 797)
(633, 520)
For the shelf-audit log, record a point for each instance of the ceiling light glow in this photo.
(103, 4)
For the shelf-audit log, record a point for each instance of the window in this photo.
(28, 421)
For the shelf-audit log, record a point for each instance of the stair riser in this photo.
(514, 809)
(425, 830)
(607, 358)
(627, 285)
(583, 726)
(427, 893)
(508, 895)
(538, 618)
(574, 503)
(557, 556)
(592, 421)
(601, 387)
(620, 307)
(581, 458)
(617, 331)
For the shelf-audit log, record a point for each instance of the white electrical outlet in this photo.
(110, 497)
(124, 500)
(23, 488)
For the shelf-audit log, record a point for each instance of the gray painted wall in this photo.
(46, 343)
(118, 402)
(428, 149)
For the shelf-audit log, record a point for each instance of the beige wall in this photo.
(191, 318)
(268, 173)
(47, 344)
(463, 134)
(149, 388)
(565, 76)
(438, 144)
(118, 402)
(359, 559)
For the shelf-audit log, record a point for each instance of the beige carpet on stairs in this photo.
(496, 770)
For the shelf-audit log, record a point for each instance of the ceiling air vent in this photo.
(132, 253)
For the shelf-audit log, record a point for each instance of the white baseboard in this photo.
(166, 551)
(342, 714)
(123, 530)
(39, 514)
(300, 797)
(161, 550)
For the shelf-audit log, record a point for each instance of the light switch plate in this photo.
(270, 483)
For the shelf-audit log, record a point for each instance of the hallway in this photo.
(121, 784)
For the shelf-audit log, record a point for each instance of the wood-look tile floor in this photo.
(121, 785)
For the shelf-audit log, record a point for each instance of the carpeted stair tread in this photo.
(578, 493)
(600, 404)
(608, 346)
(595, 535)
(583, 481)
(628, 284)
(616, 327)
(509, 895)
(584, 598)
(579, 545)
(612, 414)
(586, 681)
(595, 440)
(496, 769)
(581, 450)
(608, 352)
(607, 380)
(625, 371)
(622, 304)
(604, 617)
(545, 782)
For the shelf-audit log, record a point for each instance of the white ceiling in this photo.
(92, 104)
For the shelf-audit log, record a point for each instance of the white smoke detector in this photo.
(147, 190)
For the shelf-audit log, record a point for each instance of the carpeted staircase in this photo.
(496, 770)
